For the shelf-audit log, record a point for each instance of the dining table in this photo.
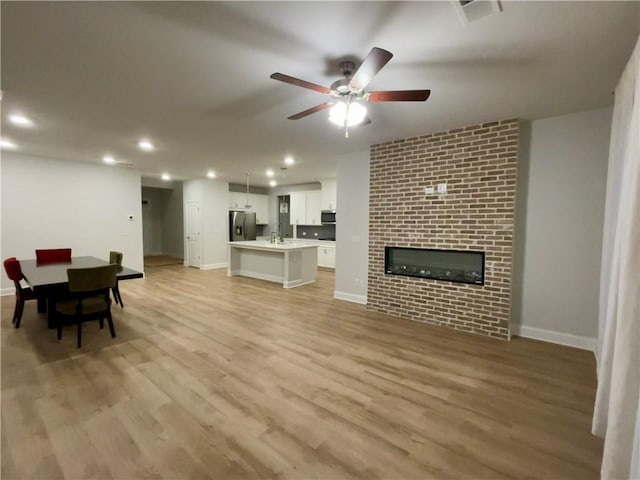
(50, 282)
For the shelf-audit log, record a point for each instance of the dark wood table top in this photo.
(55, 274)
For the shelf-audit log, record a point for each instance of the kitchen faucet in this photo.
(276, 237)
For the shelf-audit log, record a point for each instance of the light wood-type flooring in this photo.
(233, 378)
(161, 261)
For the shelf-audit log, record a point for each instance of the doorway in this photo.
(162, 225)
(193, 234)
(285, 229)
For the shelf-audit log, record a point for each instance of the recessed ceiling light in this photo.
(269, 173)
(20, 120)
(289, 160)
(7, 144)
(211, 174)
(146, 145)
(109, 159)
(273, 183)
(166, 177)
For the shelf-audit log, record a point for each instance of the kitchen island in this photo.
(290, 263)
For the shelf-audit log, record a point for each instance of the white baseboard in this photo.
(568, 339)
(296, 283)
(7, 291)
(211, 266)
(350, 297)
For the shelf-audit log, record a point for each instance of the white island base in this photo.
(291, 264)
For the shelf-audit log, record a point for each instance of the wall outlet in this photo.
(429, 190)
(442, 188)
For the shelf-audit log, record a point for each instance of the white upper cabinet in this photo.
(237, 200)
(329, 195)
(298, 208)
(305, 208)
(313, 207)
(260, 205)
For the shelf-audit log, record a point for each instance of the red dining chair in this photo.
(53, 255)
(14, 272)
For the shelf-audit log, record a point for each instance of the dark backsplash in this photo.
(324, 232)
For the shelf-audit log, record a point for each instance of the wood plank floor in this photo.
(216, 377)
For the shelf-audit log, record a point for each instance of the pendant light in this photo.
(247, 206)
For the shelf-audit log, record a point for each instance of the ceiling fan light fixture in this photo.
(354, 114)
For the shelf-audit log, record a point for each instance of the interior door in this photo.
(147, 231)
(193, 234)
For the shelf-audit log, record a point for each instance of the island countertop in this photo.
(267, 245)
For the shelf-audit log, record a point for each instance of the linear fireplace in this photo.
(463, 266)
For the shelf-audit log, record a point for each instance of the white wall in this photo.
(50, 203)
(352, 227)
(561, 191)
(213, 197)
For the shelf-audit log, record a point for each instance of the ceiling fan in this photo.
(348, 94)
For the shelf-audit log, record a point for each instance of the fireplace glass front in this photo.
(462, 266)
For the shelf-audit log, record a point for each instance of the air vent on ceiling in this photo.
(472, 10)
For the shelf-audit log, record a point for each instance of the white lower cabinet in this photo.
(327, 257)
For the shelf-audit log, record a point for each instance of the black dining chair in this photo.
(14, 272)
(89, 298)
(116, 257)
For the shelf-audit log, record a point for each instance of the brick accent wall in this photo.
(479, 165)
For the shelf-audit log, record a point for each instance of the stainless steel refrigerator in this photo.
(242, 226)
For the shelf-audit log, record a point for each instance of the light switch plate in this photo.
(442, 188)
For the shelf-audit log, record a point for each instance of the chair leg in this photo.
(19, 310)
(59, 330)
(111, 329)
(115, 295)
(116, 291)
(79, 334)
(101, 323)
(15, 310)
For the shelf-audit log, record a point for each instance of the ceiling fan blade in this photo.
(309, 111)
(371, 65)
(398, 96)
(300, 83)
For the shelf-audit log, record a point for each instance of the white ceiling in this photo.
(194, 77)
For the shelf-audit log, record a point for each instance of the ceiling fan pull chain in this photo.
(346, 117)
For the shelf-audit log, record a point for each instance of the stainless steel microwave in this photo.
(328, 216)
